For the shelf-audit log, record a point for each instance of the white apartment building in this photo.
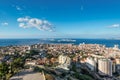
(64, 62)
(105, 67)
(64, 59)
(117, 64)
(91, 63)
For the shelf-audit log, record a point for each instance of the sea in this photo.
(106, 42)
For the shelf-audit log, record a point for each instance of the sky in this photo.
(59, 18)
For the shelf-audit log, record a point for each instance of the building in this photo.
(91, 63)
(117, 60)
(64, 59)
(105, 67)
(64, 62)
(116, 47)
(117, 64)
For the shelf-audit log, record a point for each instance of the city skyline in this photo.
(59, 19)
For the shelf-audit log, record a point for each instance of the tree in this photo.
(73, 67)
(3, 70)
(16, 65)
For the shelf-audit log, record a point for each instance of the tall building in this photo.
(64, 59)
(91, 63)
(117, 64)
(64, 62)
(105, 67)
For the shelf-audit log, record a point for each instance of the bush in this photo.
(37, 69)
(49, 77)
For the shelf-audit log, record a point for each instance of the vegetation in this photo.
(4, 69)
(38, 69)
(49, 77)
(73, 68)
(49, 56)
(9, 69)
(82, 77)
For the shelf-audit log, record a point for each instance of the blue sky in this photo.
(59, 18)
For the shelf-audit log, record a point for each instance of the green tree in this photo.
(16, 65)
(3, 70)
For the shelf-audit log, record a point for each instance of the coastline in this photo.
(14, 42)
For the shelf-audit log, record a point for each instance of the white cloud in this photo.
(4, 24)
(27, 22)
(18, 8)
(24, 19)
(115, 26)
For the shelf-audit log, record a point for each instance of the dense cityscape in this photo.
(59, 39)
(60, 62)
